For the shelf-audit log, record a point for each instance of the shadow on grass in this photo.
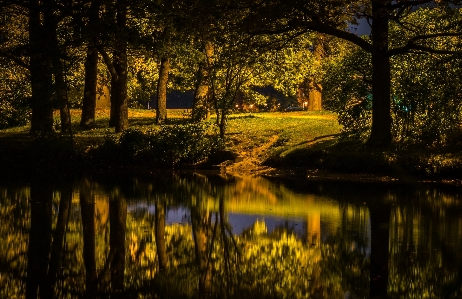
(355, 157)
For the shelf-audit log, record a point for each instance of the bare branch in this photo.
(15, 59)
(407, 3)
(108, 62)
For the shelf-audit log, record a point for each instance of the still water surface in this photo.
(196, 236)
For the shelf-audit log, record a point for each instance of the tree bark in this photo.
(315, 89)
(161, 109)
(202, 103)
(40, 71)
(381, 76)
(91, 82)
(118, 70)
(91, 70)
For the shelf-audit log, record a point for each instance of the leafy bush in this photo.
(190, 143)
(170, 146)
(13, 113)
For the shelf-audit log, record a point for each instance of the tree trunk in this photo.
(91, 71)
(91, 82)
(87, 208)
(202, 104)
(160, 234)
(381, 115)
(61, 93)
(161, 109)
(119, 101)
(118, 220)
(315, 89)
(40, 71)
(314, 97)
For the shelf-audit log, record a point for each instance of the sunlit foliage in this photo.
(426, 105)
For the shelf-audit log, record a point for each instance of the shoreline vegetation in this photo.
(299, 144)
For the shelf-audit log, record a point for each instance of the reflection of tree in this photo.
(424, 242)
(45, 248)
(380, 220)
(425, 247)
(39, 239)
(200, 221)
(159, 227)
(87, 207)
(118, 221)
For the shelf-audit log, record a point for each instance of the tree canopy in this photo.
(58, 54)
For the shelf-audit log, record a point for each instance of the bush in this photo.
(171, 145)
(190, 143)
(13, 113)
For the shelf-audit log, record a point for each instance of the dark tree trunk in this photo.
(161, 110)
(59, 88)
(160, 234)
(91, 70)
(118, 69)
(118, 221)
(87, 206)
(113, 97)
(39, 239)
(40, 71)
(61, 94)
(381, 115)
(91, 82)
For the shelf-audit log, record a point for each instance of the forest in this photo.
(398, 85)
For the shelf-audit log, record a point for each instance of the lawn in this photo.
(282, 140)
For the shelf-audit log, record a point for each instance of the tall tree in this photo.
(161, 108)
(91, 67)
(40, 68)
(117, 66)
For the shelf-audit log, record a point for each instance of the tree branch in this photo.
(108, 62)
(407, 3)
(411, 45)
(16, 60)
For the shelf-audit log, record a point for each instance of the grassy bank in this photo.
(309, 142)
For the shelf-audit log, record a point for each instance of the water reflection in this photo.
(194, 236)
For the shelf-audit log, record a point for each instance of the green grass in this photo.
(309, 140)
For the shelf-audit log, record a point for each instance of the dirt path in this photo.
(251, 162)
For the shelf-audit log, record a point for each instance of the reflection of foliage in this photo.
(254, 264)
(420, 266)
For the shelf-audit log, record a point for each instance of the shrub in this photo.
(190, 143)
(170, 146)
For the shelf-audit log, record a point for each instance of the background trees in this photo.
(224, 50)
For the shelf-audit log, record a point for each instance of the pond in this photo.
(214, 236)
